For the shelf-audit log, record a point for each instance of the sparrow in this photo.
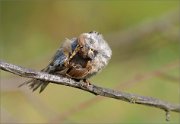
(78, 58)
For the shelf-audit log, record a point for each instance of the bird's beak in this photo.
(91, 54)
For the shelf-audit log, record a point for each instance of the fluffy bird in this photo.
(78, 58)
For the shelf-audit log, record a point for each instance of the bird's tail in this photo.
(34, 84)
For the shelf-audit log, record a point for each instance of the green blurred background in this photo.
(143, 35)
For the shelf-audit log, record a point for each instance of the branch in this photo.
(127, 97)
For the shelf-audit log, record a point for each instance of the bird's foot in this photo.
(86, 82)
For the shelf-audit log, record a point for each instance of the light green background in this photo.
(31, 32)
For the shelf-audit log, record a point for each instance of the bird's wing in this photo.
(57, 62)
(62, 56)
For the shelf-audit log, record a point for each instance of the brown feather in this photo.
(77, 72)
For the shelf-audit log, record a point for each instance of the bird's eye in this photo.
(92, 50)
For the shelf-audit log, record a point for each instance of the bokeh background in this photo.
(143, 35)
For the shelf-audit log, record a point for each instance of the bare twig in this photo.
(127, 97)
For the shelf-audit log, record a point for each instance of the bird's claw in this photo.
(86, 82)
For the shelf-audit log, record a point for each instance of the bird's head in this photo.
(92, 43)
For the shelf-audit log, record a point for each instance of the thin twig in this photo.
(127, 84)
(127, 97)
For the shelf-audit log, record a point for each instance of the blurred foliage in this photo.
(33, 30)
